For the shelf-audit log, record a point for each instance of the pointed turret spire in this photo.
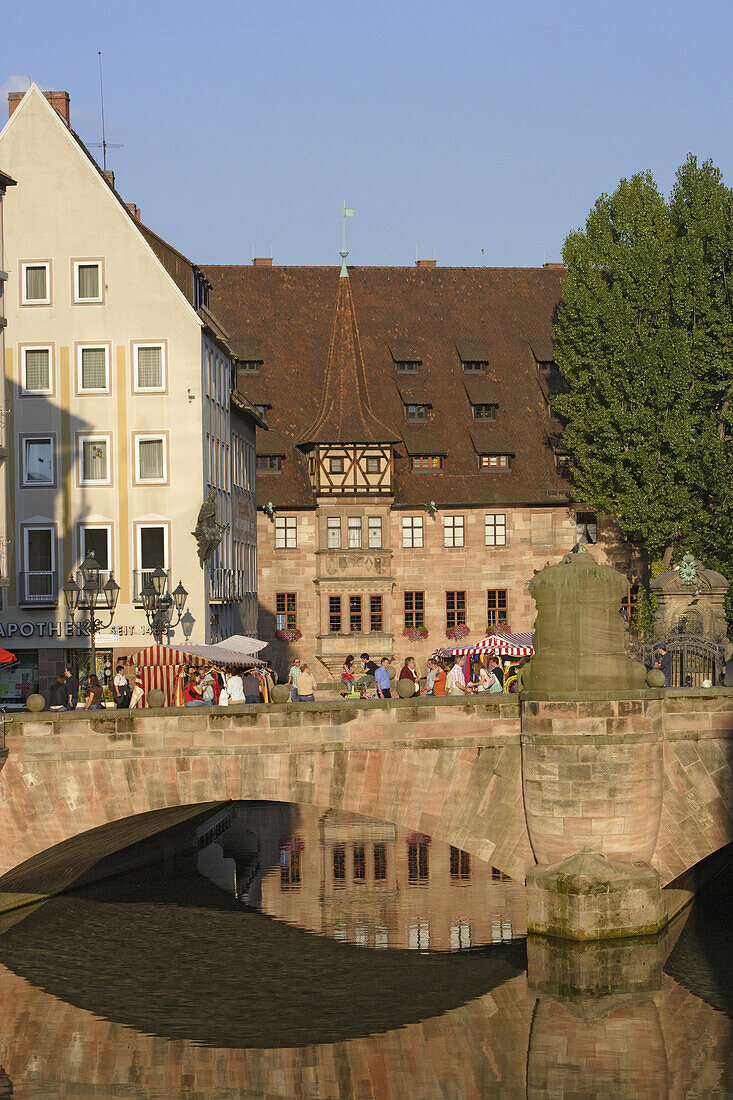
(345, 414)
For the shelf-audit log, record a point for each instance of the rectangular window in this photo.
(427, 462)
(484, 412)
(38, 462)
(416, 412)
(460, 864)
(375, 532)
(375, 613)
(94, 461)
(93, 373)
(39, 545)
(291, 865)
(355, 614)
(339, 864)
(495, 462)
(412, 531)
(249, 364)
(152, 554)
(495, 529)
(333, 532)
(407, 364)
(353, 526)
(380, 862)
(497, 608)
(359, 863)
(96, 541)
(149, 368)
(564, 462)
(269, 463)
(37, 370)
(418, 861)
(336, 465)
(455, 609)
(453, 531)
(286, 533)
(87, 280)
(36, 284)
(586, 527)
(150, 458)
(374, 464)
(334, 614)
(475, 364)
(414, 610)
(286, 616)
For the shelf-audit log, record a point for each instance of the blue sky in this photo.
(450, 127)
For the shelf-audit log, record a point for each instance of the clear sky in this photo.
(451, 127)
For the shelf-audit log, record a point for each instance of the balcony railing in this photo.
(38, 587)
(227, 585)
(143, 577)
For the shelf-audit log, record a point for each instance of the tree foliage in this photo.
(644, 340)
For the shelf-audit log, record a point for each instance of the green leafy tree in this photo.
(644, 340)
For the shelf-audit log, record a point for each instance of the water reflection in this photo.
(362, 881)
(164, 983)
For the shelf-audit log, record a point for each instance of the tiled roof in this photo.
(287, 313)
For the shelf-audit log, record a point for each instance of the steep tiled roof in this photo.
(287, 314)
(345, 413)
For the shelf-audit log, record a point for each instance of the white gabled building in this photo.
(120, 412)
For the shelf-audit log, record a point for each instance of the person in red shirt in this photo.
(409, 672)
(192, 694)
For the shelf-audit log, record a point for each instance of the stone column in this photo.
(592, 767)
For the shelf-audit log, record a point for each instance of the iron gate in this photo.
(694, 658)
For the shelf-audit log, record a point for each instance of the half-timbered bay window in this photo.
(352, 468)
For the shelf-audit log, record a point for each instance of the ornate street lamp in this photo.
(92, 596)
(159, 607)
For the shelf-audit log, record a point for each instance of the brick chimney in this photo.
(109, 176)
(134, 210)
(262, 261)
(554, 266)
(426, 263)
(58, 100)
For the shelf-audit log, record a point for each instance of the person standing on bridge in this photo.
(456, 680)
(293, 679)
(72, 689)
(306, 685)
(382, 680)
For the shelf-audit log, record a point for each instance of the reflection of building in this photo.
(420, 477)
(118, 383)
(377, 885)
(5, 182)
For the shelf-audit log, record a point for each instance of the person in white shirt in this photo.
(456, 680)
(235, 688)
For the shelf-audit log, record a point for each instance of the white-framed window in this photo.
(375, 532)
(96, 539)
(151, 553)
(35, 276)
(495, 462)
(149, 367)
(151, 459)
(37, 367)
(88, 280)
(93, 368)
(333, 532)
(353, 528)
(38, 462)
(495, 528)
(94, 453)
(453, 531)
(286, 532)
(412, 531)
(39, 560)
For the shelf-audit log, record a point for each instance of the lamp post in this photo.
(93, 597)
(159, 607)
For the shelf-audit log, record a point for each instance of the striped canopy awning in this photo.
(160, 666)
(501, 643)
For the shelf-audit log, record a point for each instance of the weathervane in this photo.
(347, 212)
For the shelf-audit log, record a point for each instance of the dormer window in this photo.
(495, 462)
(261, 410)
(407, 364)
(336, 465)
(427, 462)
(564, 462)
(545, 365)
(471, 365)
(249, 364)
(416, 412)
(485, 412)
(269, 464)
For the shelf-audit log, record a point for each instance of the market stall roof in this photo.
(240, 643)
(501, 643)
(7, 658)
(201, 654)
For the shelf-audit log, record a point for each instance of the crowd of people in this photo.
(212, 686)
(444, 676)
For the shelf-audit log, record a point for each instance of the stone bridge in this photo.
(643, 774)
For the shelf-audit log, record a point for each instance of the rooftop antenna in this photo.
(104, 145)
(483, 259)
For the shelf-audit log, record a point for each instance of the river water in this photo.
(302, 954)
